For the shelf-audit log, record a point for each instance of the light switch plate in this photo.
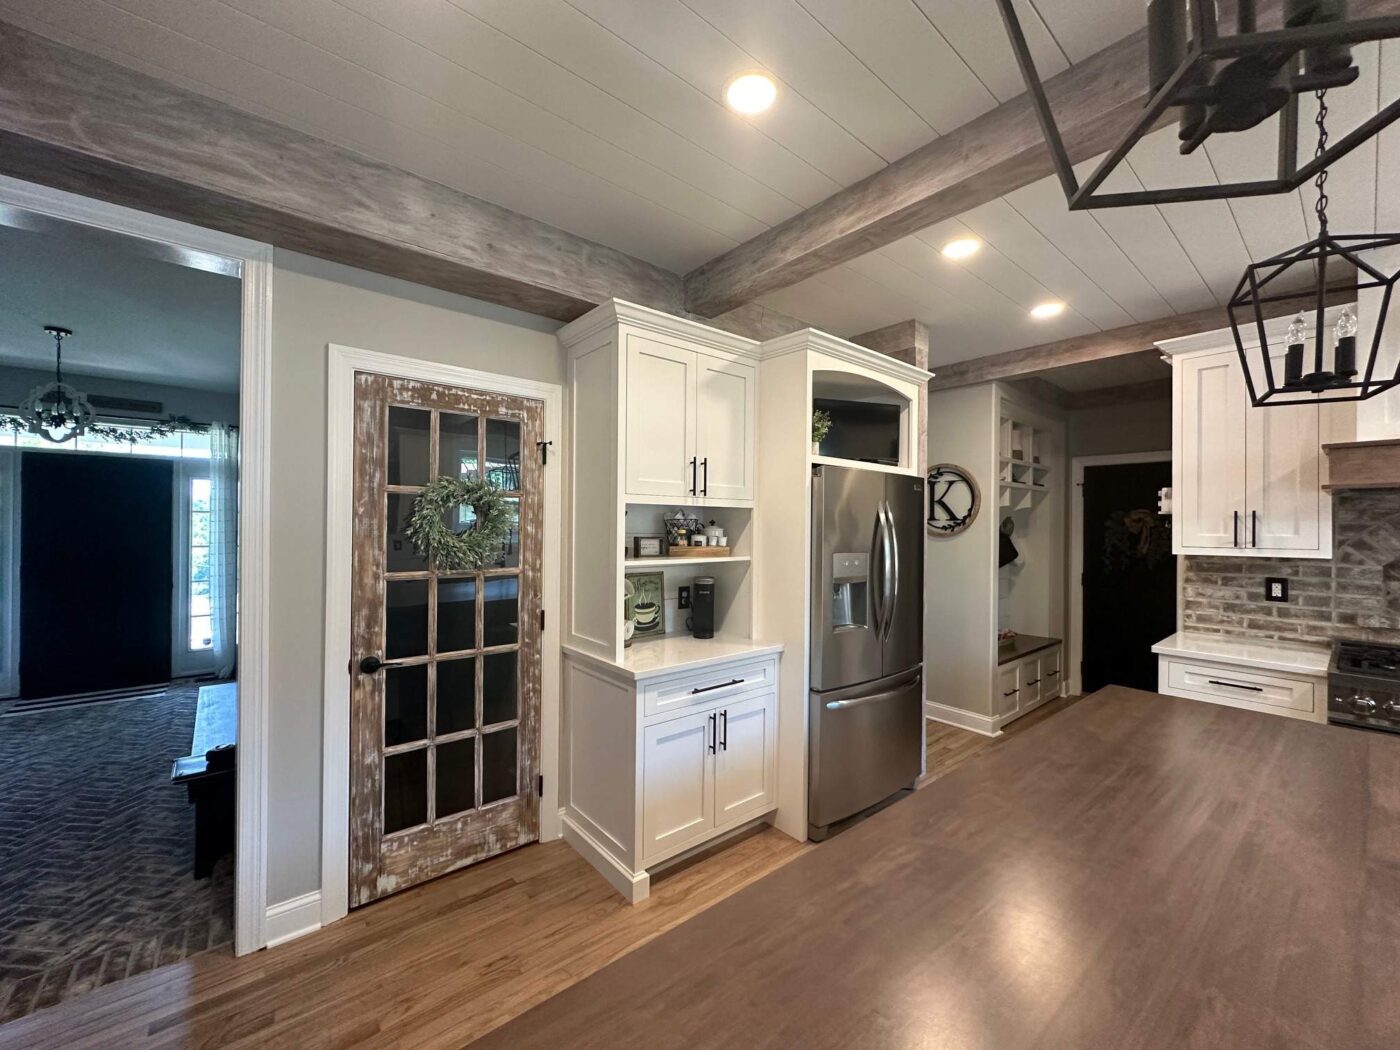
(1275, 589)
(682, 597)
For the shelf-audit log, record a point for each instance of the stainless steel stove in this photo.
(1363, 686)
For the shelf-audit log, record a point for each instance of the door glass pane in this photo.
(509, 558)
(456, 776)
(399, 553)
(456, 695)
(503, 454)
(409, 436)
(457, 456)
(498, 687)
(498, 763)
(405, 790)
(502, 612)
(405, 704)
(456, 612)
(405, 618)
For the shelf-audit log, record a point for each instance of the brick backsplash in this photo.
(1355, 595)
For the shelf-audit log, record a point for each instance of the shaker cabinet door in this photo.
(746, 760)
(1210, 506)
(1285, 464)
(660, 419)
(677, 784)
(725, 421)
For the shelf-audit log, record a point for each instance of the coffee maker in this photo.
(702, 607)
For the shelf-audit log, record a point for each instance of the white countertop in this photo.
(653, 657)
(1269, 655)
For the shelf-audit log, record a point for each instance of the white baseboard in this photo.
(293, 918)
(634, 886)
(956, 716)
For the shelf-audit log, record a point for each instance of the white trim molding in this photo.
(342, 364)
(956, 716)
(253, 262)
(293, 918)
(1075, 643)
(9, 571)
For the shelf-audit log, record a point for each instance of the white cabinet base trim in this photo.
(635, 886)
(955, 716)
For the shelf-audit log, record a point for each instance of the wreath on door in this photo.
(434, 537)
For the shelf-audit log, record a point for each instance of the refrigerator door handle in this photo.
(895, 689)
(892, 573)
(877, 593)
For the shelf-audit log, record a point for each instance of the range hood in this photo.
(1353, 465)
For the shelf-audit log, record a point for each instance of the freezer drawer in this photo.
(864, 745)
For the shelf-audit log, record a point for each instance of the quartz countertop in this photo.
(1293, 658)
(1023, 645)
(652, 657)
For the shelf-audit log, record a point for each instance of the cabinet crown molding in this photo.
(618, 311)
(843, 350)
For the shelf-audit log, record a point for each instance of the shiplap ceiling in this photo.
(604, 117)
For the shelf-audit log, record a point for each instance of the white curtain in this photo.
(223, 546)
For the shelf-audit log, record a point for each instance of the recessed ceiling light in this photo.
(962, 247)
(750, 93)
(1045, 311)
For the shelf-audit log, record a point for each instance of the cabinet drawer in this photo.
(1008, 688)
(712, 685)
(1241, 687)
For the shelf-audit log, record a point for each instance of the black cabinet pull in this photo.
(720, 685)
(1012, 693)
(705, 484)
(1234, 539)
(1254, 528)
(713, 734)
(1051, 674)
(692, 475)
(1033, 681)
(724, 730)
(1236, 685)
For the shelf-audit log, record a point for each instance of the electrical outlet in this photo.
(682, 597)
(1275, 589)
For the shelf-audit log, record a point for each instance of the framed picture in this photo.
(648, 546)
(648, 611)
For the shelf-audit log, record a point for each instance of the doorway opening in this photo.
(119, 569)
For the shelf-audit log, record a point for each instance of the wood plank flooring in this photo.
(439, 965)
(1140, 872)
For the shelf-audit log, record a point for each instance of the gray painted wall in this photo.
(316, 303)
(206, 406)
(1141, 426)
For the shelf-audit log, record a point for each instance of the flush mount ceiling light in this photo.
(56, 411)
(962, 247)
(750, 93)
(1219, 84)
(1045, 311)
(1327, 370)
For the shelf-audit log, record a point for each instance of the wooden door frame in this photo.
(1076, 551)
(342, 364)
(254, 532)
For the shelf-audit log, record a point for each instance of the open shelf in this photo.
(653, 563)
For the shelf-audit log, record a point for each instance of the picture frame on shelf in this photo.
(648, 605)
(648, 546)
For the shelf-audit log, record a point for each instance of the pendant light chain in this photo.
(1321, 122)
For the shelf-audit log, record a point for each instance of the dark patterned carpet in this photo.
(97, 850)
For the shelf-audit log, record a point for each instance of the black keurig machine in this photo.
(702, 607)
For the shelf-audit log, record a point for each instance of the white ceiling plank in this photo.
(668, 33)
(1268, 224)
(841, 302)
(606, 214)
(493, 123)
(1002, 226)
(1083, 27)
(795, 47)
(990, 264)
(902, 48)
(1387, 218)
(1351, 181)
(975, 31)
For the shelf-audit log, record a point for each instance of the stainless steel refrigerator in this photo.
(866, 702)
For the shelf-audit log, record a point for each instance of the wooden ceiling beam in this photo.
(77, 122)
(1099, 346)
(1095, 102)
(905, 341)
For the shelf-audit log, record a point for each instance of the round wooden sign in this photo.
(953, 499)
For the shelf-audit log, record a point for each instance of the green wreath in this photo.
(451, 551)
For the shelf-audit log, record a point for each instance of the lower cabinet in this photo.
(1254, 689)
(1026, 683)
(656, 767)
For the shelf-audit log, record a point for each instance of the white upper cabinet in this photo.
(725, 424)
(1246, 481)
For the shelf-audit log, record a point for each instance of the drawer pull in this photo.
(1236, 685)
(1051, 674)
(1033, 681)
(721, 685)
(1012, 693)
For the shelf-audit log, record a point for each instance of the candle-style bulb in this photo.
(1346, 324)
(1297, 331)
(1344, 364)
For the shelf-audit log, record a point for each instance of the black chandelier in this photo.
(1223, 84)
(1307, 276)
(56, 411)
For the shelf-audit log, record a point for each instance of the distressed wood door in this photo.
(445, 702)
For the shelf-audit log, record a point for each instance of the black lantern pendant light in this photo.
(56, 411)
(1219, 84)
(1323, 366)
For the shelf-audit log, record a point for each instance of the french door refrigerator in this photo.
(866, 702)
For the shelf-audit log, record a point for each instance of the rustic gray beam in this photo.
(77, 122)
(1095, 102)
(1099, 346)
(905, 341)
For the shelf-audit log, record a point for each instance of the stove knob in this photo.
(1363, 705)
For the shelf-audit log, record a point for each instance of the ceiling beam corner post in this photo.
(73, 121)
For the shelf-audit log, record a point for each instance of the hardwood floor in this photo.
(435, 966)
(949, 747)
(1142, 871)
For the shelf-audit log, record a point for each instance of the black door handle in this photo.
(1235, 536)
(724, 730)
(714, 735)
(705, 484)
(1254, 528)
(373, 665)
(693, 461)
